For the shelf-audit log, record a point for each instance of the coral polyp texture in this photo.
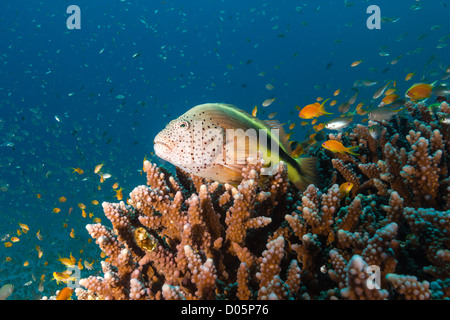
(182, 237)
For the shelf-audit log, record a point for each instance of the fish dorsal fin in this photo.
(231, 106)
(284, 139)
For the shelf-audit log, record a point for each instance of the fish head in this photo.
(191, 142)
(331, 125)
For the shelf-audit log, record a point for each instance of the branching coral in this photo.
(182, 237)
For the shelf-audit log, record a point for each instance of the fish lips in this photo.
(162, 149)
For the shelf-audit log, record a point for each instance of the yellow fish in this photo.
(419, 91)
(228, 142)
(68, 262)
(409, 76)
(62, 277)
(65, 294)
(119, 194)
(77, 170)
(255, 111)
(345, 189)
(313, 110)
(24, 227)
(98, 167)
(337, 146)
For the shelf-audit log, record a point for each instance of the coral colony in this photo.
(182, 237)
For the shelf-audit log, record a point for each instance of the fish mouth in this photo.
(160, 143)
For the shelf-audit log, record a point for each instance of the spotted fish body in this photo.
(199, 143)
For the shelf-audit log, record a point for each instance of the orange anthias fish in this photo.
(77, 170)
(345, 189)
(98, 167)
(68, 262)
(336, 146)
(390, 98)
(65, 294)
(409, 76)
(313, 110)
(419, 91)
(62, 277)
(119, 194)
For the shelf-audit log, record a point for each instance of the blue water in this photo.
(77, 98)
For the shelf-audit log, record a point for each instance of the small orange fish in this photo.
(313, 110)
(419, 91)
(332, 103)
(77, 170)
(68, 262)
(98, 167)
(314, 121)
(80, 266)
(81, 206)
(292, 126)
(26, 264)
(319, 99)
(38, 235)
(15, 239)
(390, 98)
(337, 92)
(119, 194)
(83, 213)
(95, 202)
(255, 111)
(409, 76)
(38, 195)
(24, 227)
(356, 63)
(40, 252)
(72, 233)
(390, 91)
(65, 294)
(56, 210)
(345, 189)
(61, 277)
(337, 146)
(62, 199)
(8, 244)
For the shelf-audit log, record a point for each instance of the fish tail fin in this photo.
(350, 150)
(322, 108)
(305, 173)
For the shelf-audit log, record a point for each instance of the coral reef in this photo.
(182, 237)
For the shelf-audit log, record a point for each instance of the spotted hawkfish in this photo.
(215, 141)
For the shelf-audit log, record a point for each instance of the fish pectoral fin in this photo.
(231, 174)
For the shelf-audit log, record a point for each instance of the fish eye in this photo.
(184, 125)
